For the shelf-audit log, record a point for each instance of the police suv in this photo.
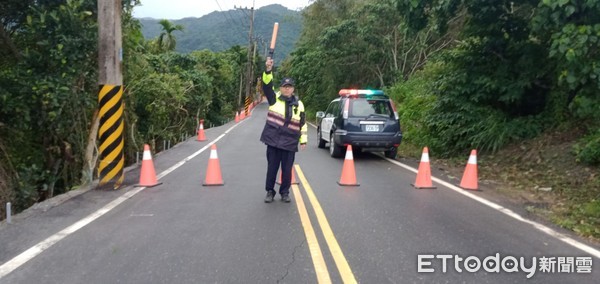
(365, 119)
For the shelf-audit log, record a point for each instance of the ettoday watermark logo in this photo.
(509, 264)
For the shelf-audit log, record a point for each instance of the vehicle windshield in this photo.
(365, 108)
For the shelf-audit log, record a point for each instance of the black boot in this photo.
(286, 198)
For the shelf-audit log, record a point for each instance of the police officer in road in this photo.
(284, 129)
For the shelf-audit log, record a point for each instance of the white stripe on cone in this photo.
(147, 155)
(349, 155)
(425, 158)
(213, 154)
(201, 126)
(472, 160)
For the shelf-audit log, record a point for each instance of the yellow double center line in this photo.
(313, 244)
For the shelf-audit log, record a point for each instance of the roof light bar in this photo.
(351, 92)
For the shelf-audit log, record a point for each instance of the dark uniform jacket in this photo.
(286, 120)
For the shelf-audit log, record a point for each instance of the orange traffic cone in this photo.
(147, 175)
(201, 136)
(213, 171)
(348, 174)
(469, 179)
(242, 115)
(294, 181)
(237, 117)
(424, 174)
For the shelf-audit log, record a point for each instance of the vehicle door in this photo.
(327, 121)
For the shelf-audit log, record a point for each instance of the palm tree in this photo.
(166, 40)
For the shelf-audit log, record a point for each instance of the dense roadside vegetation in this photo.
(469, 74)
(491, 75)
(49, 85)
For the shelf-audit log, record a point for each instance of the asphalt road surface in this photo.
(383, 231)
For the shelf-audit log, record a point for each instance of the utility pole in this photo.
(249, 79)
(252, 79)
(266, 48)
(263, 45)
(110, 95)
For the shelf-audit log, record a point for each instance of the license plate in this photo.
(372, 128)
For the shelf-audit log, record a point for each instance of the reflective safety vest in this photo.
(280, 132)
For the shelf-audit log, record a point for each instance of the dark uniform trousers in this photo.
(276, 157)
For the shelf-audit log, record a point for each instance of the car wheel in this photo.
(321, 143)
(391, 153)
(334, 150)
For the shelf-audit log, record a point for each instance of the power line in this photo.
(220, 9)
(238, 20)
(225, 14)
(245, 11)
(228, 18)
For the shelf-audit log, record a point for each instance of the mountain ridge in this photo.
(220, 30)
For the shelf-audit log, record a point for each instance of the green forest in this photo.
(49, 93)
(221, 30)
(464, 74)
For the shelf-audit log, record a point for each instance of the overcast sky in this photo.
(177, 9)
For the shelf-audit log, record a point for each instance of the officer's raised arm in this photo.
(267, 79)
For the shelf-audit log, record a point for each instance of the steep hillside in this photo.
(220, 30)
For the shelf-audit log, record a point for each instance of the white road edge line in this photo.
(543, 228)
(35, 250)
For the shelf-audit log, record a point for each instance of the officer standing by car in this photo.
(284, 129)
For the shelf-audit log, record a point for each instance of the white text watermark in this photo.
(510, 264)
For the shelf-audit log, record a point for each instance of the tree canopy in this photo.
(49, 85)
(498, 71)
